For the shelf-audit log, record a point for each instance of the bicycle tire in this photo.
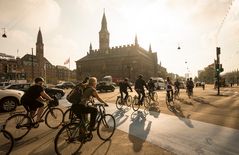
(129, 101)
(68, 116)
(119, 103)
(18, 125)
(106, 127)
(7, 143)
(67, 140)
(155, 96)
(135, 104)
(147, 101)
(54, 118)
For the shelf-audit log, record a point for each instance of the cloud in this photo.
(29, 14)
(63, 48)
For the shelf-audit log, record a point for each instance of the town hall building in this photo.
(119, 62)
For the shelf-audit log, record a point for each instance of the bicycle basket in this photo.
(54, 103)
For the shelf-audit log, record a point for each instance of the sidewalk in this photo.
(178, 135)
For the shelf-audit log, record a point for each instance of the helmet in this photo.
(126, 79)
(39, 79)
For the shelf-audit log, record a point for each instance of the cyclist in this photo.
(123, 85)
(33, 98)
(139, 87)
(169, 89)
(151, 87)
(190, 86)
(176, 86)
(83, 108)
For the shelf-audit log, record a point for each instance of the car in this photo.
(57, 92)
(10, 99)
(104, 86)
(4, 84)
(198, 84)
(158, 83)
(65, 85)
(182, 85)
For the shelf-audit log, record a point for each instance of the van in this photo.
(159, 83)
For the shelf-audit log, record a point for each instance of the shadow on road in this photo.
(120, 117)
(139, 128)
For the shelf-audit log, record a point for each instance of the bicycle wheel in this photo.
(147, 101)
(135, 104)
(106, 127)
(18, 125)
(129, 101)
(68, 116)
(6, 142)
(68, 139)
(119, 103)
(54, 118)
(155, 96)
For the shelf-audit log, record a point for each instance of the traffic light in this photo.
(220, 68)
(217, 67)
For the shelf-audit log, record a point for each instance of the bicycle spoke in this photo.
(67, 140)
(18, 125)
(54, 118)
(106, 127)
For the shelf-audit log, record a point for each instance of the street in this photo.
(206, 124)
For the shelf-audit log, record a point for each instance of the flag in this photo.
(67, 61)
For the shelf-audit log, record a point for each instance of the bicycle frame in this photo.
(46, 109)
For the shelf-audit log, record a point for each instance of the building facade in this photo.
(119, 62)
(31, 66)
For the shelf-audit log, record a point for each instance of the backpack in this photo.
(75, 95)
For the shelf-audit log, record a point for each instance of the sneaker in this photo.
(36, 125)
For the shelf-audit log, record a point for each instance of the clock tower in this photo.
(40, 55)
(104, 35)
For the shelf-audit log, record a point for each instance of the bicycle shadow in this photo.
(154, 109)
(118, 115)
(138, 128)
(177, 111)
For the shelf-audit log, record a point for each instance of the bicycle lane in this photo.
(178, 135)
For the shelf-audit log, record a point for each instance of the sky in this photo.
(69, 26)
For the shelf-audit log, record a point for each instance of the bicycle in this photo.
(20, 124)
(72, 136)
(153, 95)
(120, 101)
(176, 94)
(169, 99)
(69, 116)
(7, 141)
(136, 104)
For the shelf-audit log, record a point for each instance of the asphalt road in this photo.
(199, 128)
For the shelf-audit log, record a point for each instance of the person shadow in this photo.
(138, 131)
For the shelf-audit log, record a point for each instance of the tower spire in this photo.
(150, 49)
(104, 35)
(136, 40)
(90, 47)
(39, 37)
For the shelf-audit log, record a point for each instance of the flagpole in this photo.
(69, 69)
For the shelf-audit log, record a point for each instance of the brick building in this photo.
(31, 66)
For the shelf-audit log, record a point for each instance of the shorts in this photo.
(31, 105)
